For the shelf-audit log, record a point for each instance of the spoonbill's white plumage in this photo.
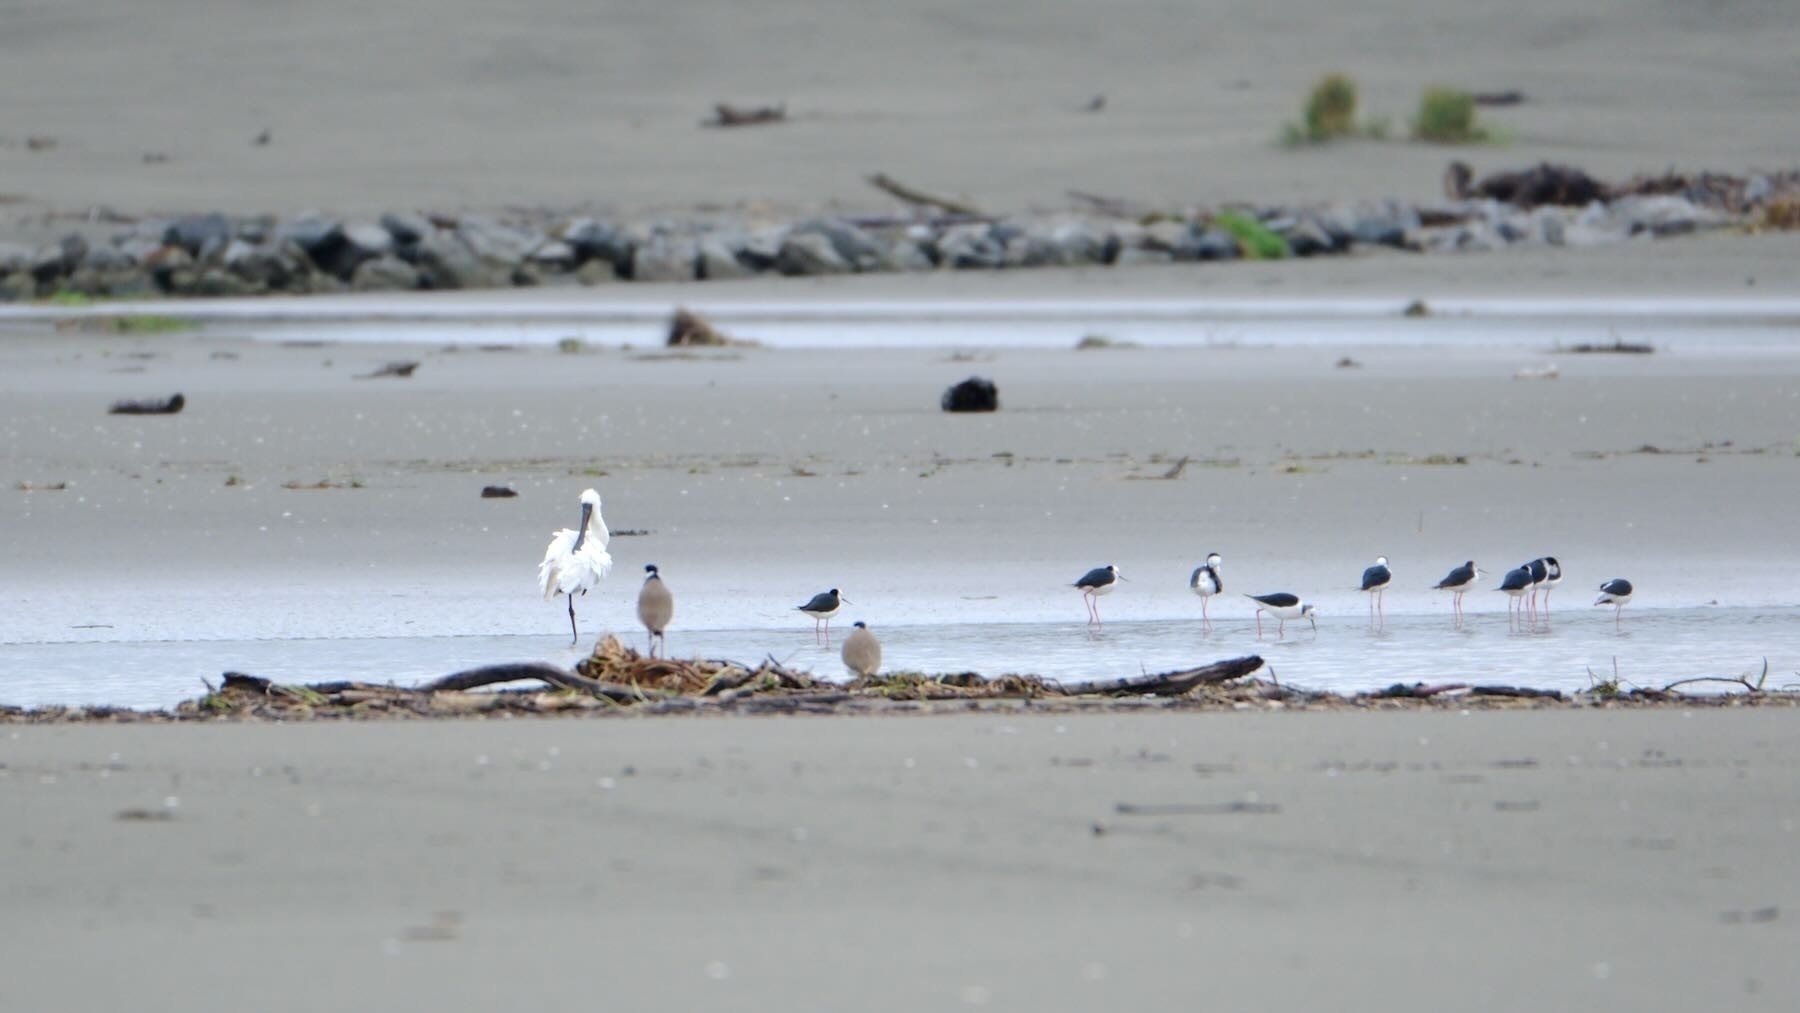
(1094, 583)
(656, 606)
(577, 558)
(1206, 582)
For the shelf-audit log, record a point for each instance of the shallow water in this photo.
(1650, 646)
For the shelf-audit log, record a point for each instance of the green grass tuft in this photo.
(1256, 240)
(1447, 116)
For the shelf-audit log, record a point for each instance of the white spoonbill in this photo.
(577, 559)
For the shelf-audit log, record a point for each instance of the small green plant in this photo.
(1331, 108)
(571, 346)
(1330, 113)
(1447, 116)
(1256, 240)
(70, 297)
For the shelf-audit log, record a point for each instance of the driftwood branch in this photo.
(887, 184)
(1173, 683)
(561, 678)
(727, 115)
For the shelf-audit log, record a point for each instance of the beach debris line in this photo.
(976, 394)
(170, 405)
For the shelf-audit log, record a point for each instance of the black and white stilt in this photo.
(1282, 606)
(1206, 582)
(1458, 582)
(1517, 584)
(822, 607)
(1375, 580)
(1094, 583)
(1552, 576)
(1615, 592)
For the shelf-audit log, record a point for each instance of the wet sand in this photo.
(1640, 861)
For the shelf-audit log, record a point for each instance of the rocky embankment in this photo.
(219, 255)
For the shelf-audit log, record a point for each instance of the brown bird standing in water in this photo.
(656, 606)
(862, 652)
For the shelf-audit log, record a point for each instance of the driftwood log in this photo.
(1173, 683)
(727, 115)
(153, 406)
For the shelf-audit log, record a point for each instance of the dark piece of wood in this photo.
(1416, 691)
(1173, 683)
(152, 406)
(1517, 691)
(1196, 808)
(401, 370)
(498, 492)
(887, 184)
(727, 115)
(1509, 97)
(562, 678)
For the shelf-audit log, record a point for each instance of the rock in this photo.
(810, 253)
(104, 258)
(970, 245)
(1305, 236)
(853, 246)
(115, 282)
(1132, 256)
(165, 262)
(317, 236)
(555, 256)
(367, 240)
(217, 281)
(1664, 215)
(407, 227)
(17, 286)
(596, 272)
(445, 261)
(1216, 244)
(972, 395)
(903, 253)
(1076, 241)
(14, 257)
(761, 249)
(281, 266)
(385, 274)
(497, 243)
(200, 235)
(719, 261)
(665, 258)
(594, 240)
(1178, 239)
(58, 259)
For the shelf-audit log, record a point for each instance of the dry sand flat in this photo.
(1630, 861)
(452, 105)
